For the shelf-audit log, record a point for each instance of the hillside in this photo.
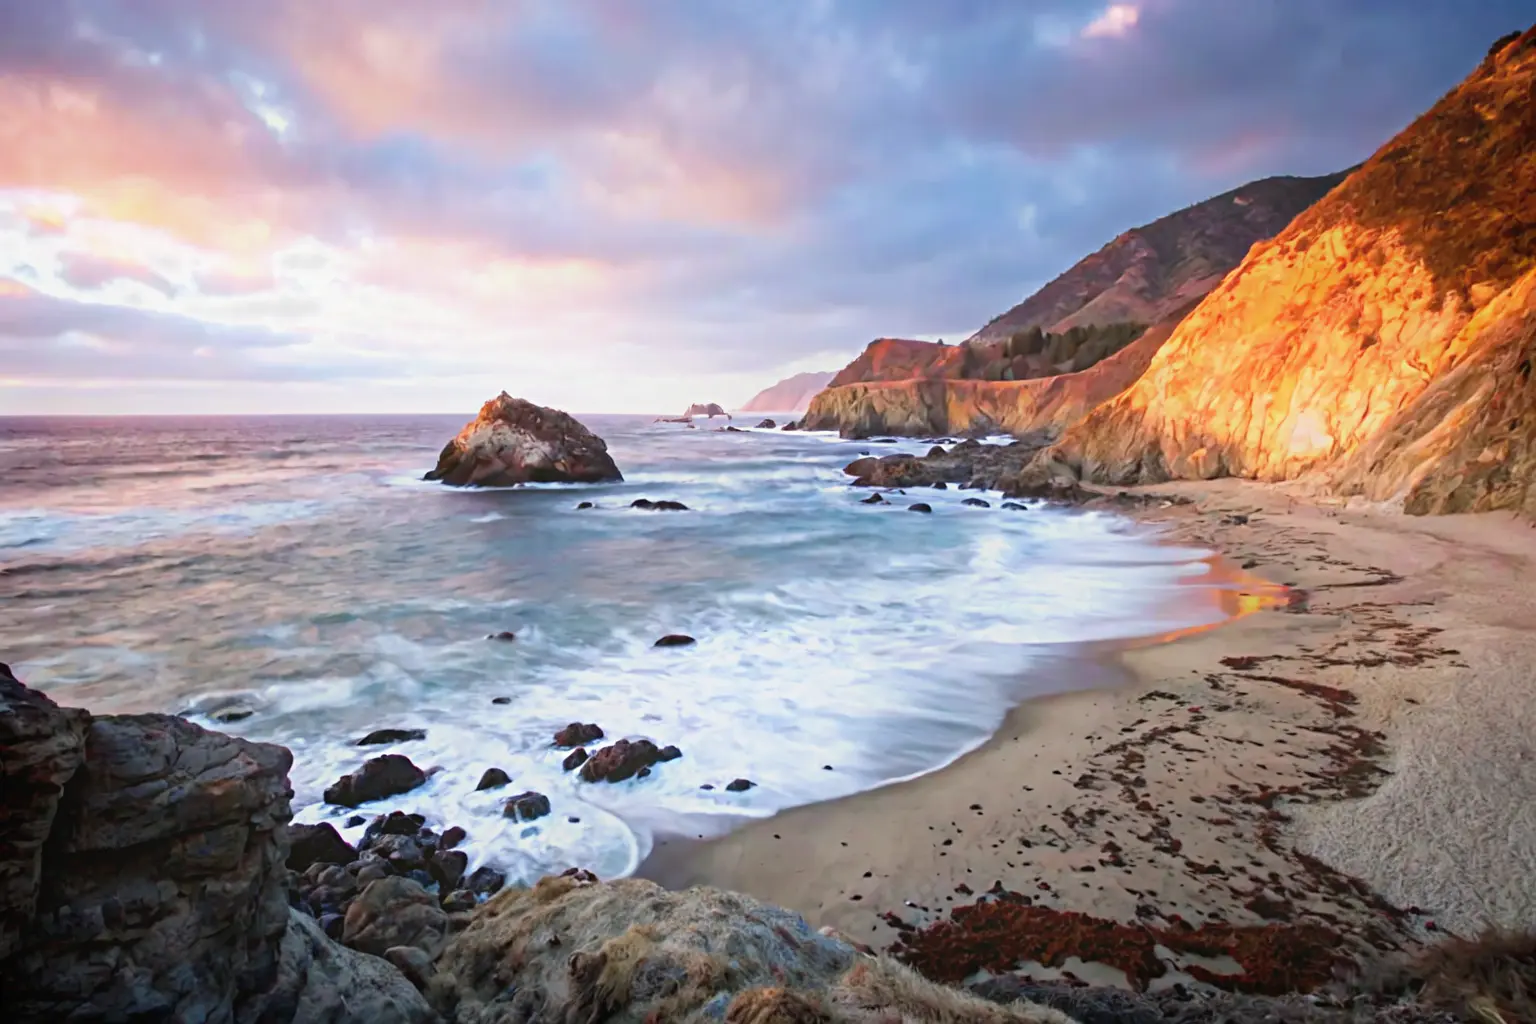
(1152, 274)
(1150, 270)
(1040, 406)
(792, 394)
(1382, 345)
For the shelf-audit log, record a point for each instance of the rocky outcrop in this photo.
(709, 411)
(792, 394)
(1038, 409)
(144, 878)
(516, 442)
(1382, 345)
(1150, 271)
(629, 952)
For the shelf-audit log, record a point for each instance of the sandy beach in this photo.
(1348, 770)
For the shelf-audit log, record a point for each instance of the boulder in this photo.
(448, 869)
(675, 640)
(164, 892)
(513, 441)
(379, 777)
(739, 785)
(767, 424)
(920, 506)
(395, 912)
(485, 881)
(395, 823)
(379, 737)
(451, 837)
(575, 759)
(526, 806)
(580, 505)
(976, 503)
(577, 734)
(494, 778)
(622, 760)
(505, 636)
(658, 506)
(873, 499)
(317, 844)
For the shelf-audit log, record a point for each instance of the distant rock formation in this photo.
(513, 441)
(142, 877)
(1382, 346)
(710, 411)
(791, 395)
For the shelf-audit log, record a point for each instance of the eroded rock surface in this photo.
(161, 892)
(513, 441)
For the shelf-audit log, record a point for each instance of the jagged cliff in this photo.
(1382, 345)
(792, 394)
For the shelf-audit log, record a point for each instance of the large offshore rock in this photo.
(513, 441)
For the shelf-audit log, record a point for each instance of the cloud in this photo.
(90, 272)
(1116, 21)
(717, 188)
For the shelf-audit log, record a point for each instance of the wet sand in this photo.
(1359, 759)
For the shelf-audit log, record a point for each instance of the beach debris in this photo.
(379, 737)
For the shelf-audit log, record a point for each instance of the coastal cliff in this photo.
(792, 394)
(1040, 407)
(1382, 345)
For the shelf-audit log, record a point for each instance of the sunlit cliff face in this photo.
(360, 207)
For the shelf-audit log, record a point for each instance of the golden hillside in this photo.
(1382, 344)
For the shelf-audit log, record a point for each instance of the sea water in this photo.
(299, 572)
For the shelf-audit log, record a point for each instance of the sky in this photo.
(240, 206)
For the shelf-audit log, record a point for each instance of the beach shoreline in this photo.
(1356, 761)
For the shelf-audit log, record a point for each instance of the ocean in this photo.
(297, 571)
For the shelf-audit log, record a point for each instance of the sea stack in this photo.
(513, 441)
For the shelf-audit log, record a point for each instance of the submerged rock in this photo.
(622, 760)
(575, 759)
(379, 737)
(379, 777)
(513, 441)
(577, 734)
(920, 506)
(505, 636)
(976, 503)
(659, 506)
(526, 806)
(739, 785)
(873, 499)
(675, 640)
(767, 424)
(494, 778)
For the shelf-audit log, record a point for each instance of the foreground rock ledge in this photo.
(513, 442)
(142, 877)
